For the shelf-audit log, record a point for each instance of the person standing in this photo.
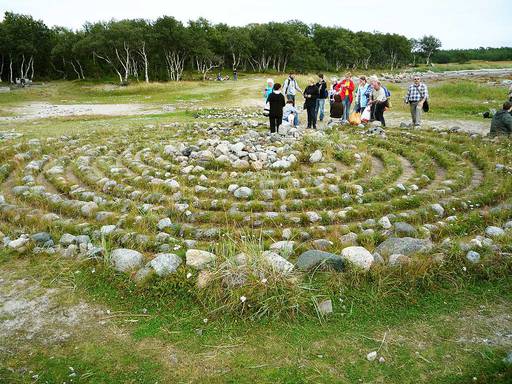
(502, 121)
(235, 75)
(291, 87)
(361, 96)
(378, 102)
(311, 94)
(346, 89)
(268, 89)
(322, 95)
(416, 96)
(276, 103)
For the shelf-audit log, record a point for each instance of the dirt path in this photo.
(45, 110)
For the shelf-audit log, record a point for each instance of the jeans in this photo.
(415, 113)
(275, 122)
(292, 98)
(320, 107)
(346, 108)
(311, 109)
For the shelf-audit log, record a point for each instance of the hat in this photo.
(373, 78)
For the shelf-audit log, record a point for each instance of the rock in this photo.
(371, 356)
(313, 259)
(438, 209)
(41, 237)
(492, 231)
(107, 229)
(384, 222)
(313, 217)
(322, 244)
(405, 229)
(316, 156)
(89, 208)
(397, 259)
(473, 257)
(243, 193)
(18, 243)
(350, 239)
(281, 164)
(359, 256)
(284, 247)
(67, 239)
(280, 264)
(199, 259)
(164, 223)
(403, 245)
(165, 263)
(125, 260)
(325, 307)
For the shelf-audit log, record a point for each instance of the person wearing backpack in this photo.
(276, 103)
(417, 95)
(291, 87)
(322, 96)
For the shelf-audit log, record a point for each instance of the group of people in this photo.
(370, 99)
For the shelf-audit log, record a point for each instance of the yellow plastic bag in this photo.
(354, 118)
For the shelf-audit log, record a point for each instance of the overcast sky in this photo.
(458, 23)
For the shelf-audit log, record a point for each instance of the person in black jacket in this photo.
(311, 94)
(323, 94)
(276, 103)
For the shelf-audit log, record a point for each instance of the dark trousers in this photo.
(292, 98)
(379, 108)
(311, 109)
(275, 122)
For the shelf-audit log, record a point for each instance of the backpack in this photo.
(386, 91)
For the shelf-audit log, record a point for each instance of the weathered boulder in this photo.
(403, 245)
(358, 256)
(199, 259)
(165, 263)
(313, 258)
(125, 260)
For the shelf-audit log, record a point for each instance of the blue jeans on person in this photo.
(346, 108)
(320, 107)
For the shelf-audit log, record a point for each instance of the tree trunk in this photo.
(1, 69)
(143, 54)
(10, 69)
(109, 61)
(81, 69)
(74, 69)
(22, 74)
(31, 63)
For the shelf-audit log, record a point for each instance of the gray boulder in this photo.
(404, 229)
(41, 237)
(403, 245)
(165, 263)
(494, 231)
(358, 256)
(314, 258)
(125, 260)
(199, 259)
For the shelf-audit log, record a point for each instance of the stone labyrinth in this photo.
(157, 198)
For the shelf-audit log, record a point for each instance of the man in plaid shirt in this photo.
(416, 96)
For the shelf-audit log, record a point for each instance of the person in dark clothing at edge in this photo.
(311, 94)
(502, 121)
(337, 108)
(276, 103)
(322, 96)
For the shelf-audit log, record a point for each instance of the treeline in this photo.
(464, 55)
(165, 49)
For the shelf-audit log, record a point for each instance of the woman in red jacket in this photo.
(346, 90)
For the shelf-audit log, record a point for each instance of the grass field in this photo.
(430, 321)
